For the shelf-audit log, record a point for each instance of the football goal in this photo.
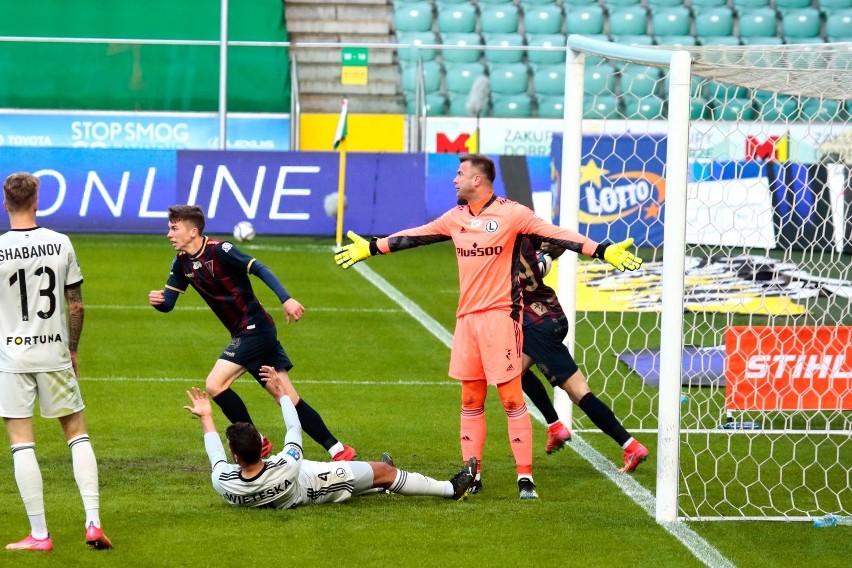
(732, 346)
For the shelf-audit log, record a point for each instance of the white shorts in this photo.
(334, 482)
(58, 394)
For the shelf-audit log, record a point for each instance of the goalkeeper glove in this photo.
(618, 256)
(348, 255)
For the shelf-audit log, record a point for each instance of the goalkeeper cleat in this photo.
(557, 436)
(463, 479)
(387, 458)
(348, 454)
(96, 538)
(30, 543)
(526, 489)
(635, 454)
(265, 447)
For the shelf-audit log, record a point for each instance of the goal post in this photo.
(741, 313)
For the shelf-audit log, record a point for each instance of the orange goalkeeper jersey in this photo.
(487, 249)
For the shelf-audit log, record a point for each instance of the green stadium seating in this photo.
(511, 106)
(586, 20)
(643, 108)
(718, 40)
(459, 77)
(498, 18)
(839, 26)
(654, 5)
(432, 73)
(716, 91)
(551, 106)
(457, 105)
(599, 79)
(633, 40)
(508, 78)
(758, 22)
(718, 21)
(786, 5)
(462, 40)
(414, 17)
(601, 106)
(698, 5)
(621, 3)
(828, 7)
(436, 104)
(733, 109)
(505, 42)
(676, 40)
(698, 109)
(639, 80)
(415, 40)
(627, 20)
(549, 80)
(741, 5)
(546, 40)
(456, 18)
(671, 21)
(545, 19)
(821, 110)
(800, 23)
(779, 107)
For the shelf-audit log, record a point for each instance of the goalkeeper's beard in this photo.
(461, 201)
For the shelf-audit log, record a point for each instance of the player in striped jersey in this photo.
(220, 272)
(41, 320)
(487, 343)
(286, 480)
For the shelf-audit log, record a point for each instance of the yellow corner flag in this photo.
(340, 143)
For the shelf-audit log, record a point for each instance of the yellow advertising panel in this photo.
(365, 132)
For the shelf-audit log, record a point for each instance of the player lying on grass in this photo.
(285, 480)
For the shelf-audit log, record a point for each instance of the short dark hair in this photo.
(20, 191)
(244, 440)
(481, 163)
(191, 214)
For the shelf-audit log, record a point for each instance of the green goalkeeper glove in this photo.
(348, 255)
(618, 256)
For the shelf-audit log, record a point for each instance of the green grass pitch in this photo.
(380, 381)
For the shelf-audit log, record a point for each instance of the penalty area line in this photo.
(700, 548)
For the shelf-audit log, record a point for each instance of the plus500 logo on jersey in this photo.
(788, 368)
(479, 251)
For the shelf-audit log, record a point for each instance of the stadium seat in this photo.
(785, 5)
(821, 110)
(457, 105)
(586, 20)
(508, 78)
(504, 42)
(599, 79)
(828, 7)
(459, 77)
(676, 40)
(761, 40)
(801, 23)
(639, 80)
(481, 2)
(698, 109)
(671, 21)
(436, 104)
(779, 107)
(601, 106)
(698, 5)
(717, 21)
(549, 80)
(716, 91)
(839, 26)
(415, 17)
(655, 5)
(633, 40)
(498, 18)
(620, 3)
(545, 19)
(550, 56)
(710, 41)
(758, 22)
(466, 40)
(741, 5)
(526, 3)
(643, 108)
(627, 20)
(551, 106)
(733, 109)
(432, 73)
(511, 106)
(416, 39)
(456, 18)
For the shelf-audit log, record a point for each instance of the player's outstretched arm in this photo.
(201, 408)
(348, 255)
(617, 255)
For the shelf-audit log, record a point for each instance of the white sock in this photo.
(525, 476)
(86, 475)
(30, 486)
(410, 483)
(627, 443)
(335, 449)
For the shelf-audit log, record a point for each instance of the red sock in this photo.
(473, 434)
(520, 438)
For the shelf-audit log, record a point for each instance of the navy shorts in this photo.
(255, 349)
(543, 344)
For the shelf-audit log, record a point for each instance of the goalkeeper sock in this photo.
(536, 392)
(602, 416)
(314, 426)
(520, 439)
(411, 483)
(472, 433)
(232, 406)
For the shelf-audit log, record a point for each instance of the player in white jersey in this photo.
(285, 480)
(41, 319)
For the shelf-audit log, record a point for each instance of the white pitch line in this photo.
(206, 309)
(369, 383)
(700, 548)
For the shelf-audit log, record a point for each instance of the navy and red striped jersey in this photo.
(219, 272)
(540, 301)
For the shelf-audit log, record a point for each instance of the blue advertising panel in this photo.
(144, 130)
(622, 188)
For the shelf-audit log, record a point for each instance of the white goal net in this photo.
(732, 347)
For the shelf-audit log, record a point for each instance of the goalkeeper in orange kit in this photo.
(487, 344)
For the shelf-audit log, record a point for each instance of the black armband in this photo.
(374, 247)
(599, 252)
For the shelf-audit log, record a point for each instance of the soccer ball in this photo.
(244, 231)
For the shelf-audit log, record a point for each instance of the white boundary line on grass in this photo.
(700, 548)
